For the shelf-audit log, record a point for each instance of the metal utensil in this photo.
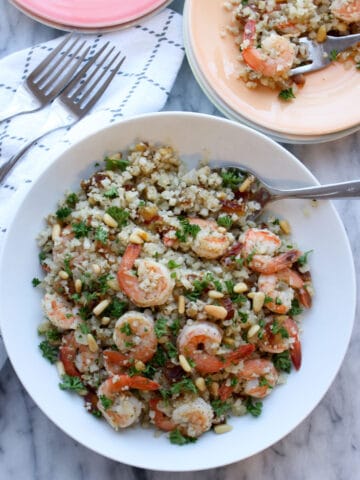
(48, 79)
(267, 193)
(77, 99)
(321, 54)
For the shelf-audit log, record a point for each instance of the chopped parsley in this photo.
(71, 200)
(171, 350)
(254, 408)
(116, 164)
(63, 213)
(303, 260)
(84, 328)
(80, 229)
(295, 308)
(175, 327)
(67, 267)
(225, 221)
(333, 55)
(287, 94)
(199, 287)
(120, 215)
(111, 193)
(185, 385)
(172, 264)
(106, 402)
(220, 408)
(53, 335)
(50, 352)
(186, 230)
(276, 328)
(42, 256)
(243, 316)
(263, 382)
(71, 383)
(35, 282)
(101, 235)
(178, 439)
(232, 178)
(116, 308)
(126, 328)
(282, 361)
(160, 327)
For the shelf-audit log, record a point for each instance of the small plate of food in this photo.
(158, 310)
(242, 52)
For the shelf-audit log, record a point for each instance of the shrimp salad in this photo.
(268, 33)
(166, 303)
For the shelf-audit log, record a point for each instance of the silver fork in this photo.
(47, 80)
(321, 54)
(76, 100)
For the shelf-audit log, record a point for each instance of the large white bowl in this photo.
(195, 136)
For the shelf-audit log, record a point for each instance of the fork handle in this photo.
(7, 166)
(334, 190)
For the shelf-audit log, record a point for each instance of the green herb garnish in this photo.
(120, 215)
(254, 408)
(225, 221)
(185, 385)
(63, 212)
(106, 402)
(111, 193)
(126, 328)
(186, 230)
(295, 308)
(178, 439)
(50, 352)
(220, 408)
(172, 264)
(71, 383)
(287, 94)
(303, 260)
(80, 229)
(116, 164)
(333, 55)
(35, 282)
(101, 235)
(282, 361)
(71, 200)
(160, 327)
(232, 178)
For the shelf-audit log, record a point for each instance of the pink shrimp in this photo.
(153, 284)
(76, 358)
(346, 10)
(273, 59)
(280, 287)
(60, 312)
(260, 375)
(279, 335)
(201, 341)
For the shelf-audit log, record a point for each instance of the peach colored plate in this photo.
(328, 103)
(89, 13)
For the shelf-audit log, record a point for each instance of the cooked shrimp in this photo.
(60, 312)
(280, 335)
(209, 242)
(259, 249)
(346, 10)
(77, 358)
(201, 341)
(120, 409)
(162, 421)
(134, 335)
(153, 284)
(280, 287)
(115, 362)
(193, 418)
(260, 375)
(274, 58)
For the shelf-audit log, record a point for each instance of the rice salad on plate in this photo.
(268, 33)
(167, 302)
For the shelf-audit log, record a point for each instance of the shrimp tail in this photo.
(131, 253)
(67, 356)
(280, 262)
(124, 382)
(295, 354)
(210, 364)
(241, 352)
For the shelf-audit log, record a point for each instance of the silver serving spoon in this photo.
(267, 193)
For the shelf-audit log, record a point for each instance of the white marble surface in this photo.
(325, 446)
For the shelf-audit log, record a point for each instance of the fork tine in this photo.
(75, 81)
(48, 59)
(104, 86)
(61, 81)
(88, 79)
(52, 67)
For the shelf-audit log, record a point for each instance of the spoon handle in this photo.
(334, 190)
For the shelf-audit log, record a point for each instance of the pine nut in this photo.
(229, 341)
(181, 304)
(78, 285)
(241, 287)
(93, 346)
(44, 327)
(55, 232)
(200, 384)
(253, 330)
(60, 368)
(285, 227)
(139, 365)
(113, 284)
(258, 299)
(100, 307)
(96, 268)
(109, 221)
(134, 238)
(321, 34)
(214, 389)
(222, 230)
(185, 365)
(63, 275)
(143, 235)
(105, 320)
(215, 294)
(164, 339)
(220, 313)
(223, 428)
(246, 184)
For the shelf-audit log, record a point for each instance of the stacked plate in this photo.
(326, 108)
(90, 15)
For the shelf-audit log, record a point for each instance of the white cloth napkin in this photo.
(154, 52)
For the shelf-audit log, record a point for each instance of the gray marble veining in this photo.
(325, 446)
